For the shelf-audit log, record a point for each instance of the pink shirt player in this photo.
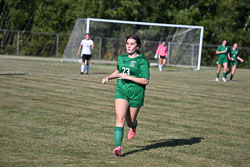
(162, 50)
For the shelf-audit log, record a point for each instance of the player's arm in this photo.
(229, 57)
(157, 50)
(111, 76)
(141, 81)
(238, 57)
(79, 50)
(220, 52)
(92, 46)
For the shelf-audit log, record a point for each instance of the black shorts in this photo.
(163, 57)
(86, 57)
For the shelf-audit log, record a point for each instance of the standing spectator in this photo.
(85, 48)
(222, 51)
(133, 76)
(162, 52)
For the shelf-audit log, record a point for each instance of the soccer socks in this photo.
(217, 75)
(160, 67)
(224, 74)
(87, 69)
(231, 77)
(82, 68)
(118, 135)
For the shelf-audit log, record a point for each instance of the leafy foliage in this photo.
(223, 19)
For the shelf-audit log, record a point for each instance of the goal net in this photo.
(184, 42)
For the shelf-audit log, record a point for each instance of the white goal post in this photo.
(184, 41)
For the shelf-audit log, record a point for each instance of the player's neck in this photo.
(133, 55)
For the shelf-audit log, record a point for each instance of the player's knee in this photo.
(120, 119)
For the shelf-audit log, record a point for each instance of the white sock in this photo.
(82, 68)
(160, 67)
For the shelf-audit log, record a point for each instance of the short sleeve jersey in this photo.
(86, 46)
(137, 67)
(222, 48)
(234, 54)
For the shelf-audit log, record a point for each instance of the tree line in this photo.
(222, 19)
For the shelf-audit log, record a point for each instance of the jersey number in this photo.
(126, 70)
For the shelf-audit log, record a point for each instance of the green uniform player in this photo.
(223, 56)
(222, 51)
(133, 75)
(137, 67)
(233, 57)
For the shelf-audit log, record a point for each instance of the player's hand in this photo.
(232, 59)
(242, 61)
(123, 76)
(105, 80)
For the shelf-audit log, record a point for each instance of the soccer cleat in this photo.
(217, 79)
(224, 79)
(131, 133)
(81, 73)
(118, 151)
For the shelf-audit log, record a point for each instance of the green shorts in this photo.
(232, 63)
(222, 59)
(132, 93)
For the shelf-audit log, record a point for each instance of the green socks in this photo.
(224, 74)
(118, 135)
(217, 75)
(232, 75)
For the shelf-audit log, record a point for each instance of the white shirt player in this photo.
(86, 46)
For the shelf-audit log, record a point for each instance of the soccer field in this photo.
(50, 115)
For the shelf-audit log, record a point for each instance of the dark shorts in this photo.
(86, 57)
(163, 57)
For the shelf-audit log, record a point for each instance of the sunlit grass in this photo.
(50, 115)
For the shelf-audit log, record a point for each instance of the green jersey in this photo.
(234, 55)
(223, 56)
(222, 48)
(137, 67)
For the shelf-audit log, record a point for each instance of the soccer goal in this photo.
(184, 41)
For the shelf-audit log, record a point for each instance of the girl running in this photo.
(133, 76)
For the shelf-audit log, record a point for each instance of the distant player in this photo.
(85, 52)
(133, 76)
(233, 57)
(222, 51)
(161, 53)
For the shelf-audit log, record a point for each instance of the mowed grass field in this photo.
(51, 116)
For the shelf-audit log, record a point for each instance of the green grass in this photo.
(51, 116)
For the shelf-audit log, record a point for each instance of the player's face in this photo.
(235, 46)
(131, 46)
(224, 43)
(87, 36)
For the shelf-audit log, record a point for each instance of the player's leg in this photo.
(229, 68)
(132, 121)
(121, 107)
(164, 62)
(224, 72)
(88, 62)
(218, 72)
(83, 64)
(160, 64)
(87, 67)
(233, 72)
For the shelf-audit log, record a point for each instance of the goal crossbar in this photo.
(201, 28)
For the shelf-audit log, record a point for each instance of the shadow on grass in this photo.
(165, 143)
(12, 73)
